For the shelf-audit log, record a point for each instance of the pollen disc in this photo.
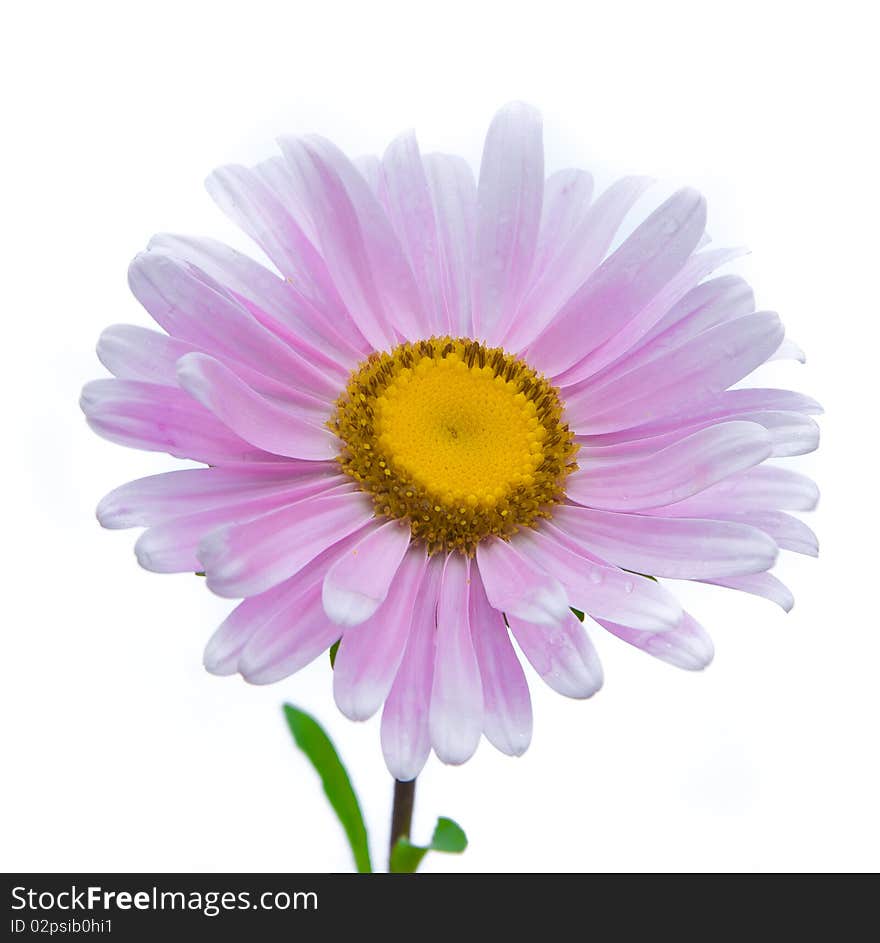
(460, 440)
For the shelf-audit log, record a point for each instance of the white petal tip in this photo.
(347, 608)
(584, 691)
(454, 747)
(405, 770)
(519, 109)
(219, 588)
(145, 558)
(356, 711)
(357, 702)
(111, 516)
(453, 758)
(259, 675)
(222, 666)
(689, 654)
(510, 744)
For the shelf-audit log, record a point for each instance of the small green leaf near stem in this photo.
(448, 838)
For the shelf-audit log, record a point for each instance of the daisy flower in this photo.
(452, 415)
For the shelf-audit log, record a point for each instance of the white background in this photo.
(120, 752)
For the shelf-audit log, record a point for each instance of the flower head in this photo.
(450, 417)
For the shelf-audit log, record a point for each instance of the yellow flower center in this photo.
(460, 440)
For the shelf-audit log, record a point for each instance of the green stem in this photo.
(401, 813)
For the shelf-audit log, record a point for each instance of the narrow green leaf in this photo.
(334, 648)
(318, 747)
(448, 837)
(578, 613)
(200, 572)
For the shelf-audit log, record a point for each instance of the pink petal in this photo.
(406, 740)
(369, 655)
(567, 195)
(630, 336)
(712, 302)
(788, 532)
(507, 707)
(161, 419)
(292, 190)
(290, 640)
(280, 305)
(683, 378)
(760, 584)
(623, 284)
(454, 194)
(411, 211)
(575, 260)
(357, 584)
(687, 646)
(509, 200)
(789, 350)
(258, 420)
(791, 434)
(680, 548)
(136, 353)
(730, 404)
(765, 488)
(370, 168)
(709, 304)
(673, 473)
(193, 307)
(270, 629)
(562, 654)
(153, 500)
(172, 546)
(253, 206)
(245, 559)
(358, 244)
(225, 646)
(517, 586)
(597, 589)
(455, 718)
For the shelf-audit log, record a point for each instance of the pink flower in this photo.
(454, 415)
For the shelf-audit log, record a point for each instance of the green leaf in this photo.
(578, 613)
(334, 648)
(318, 747)
(448, 837)
(200, 572)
